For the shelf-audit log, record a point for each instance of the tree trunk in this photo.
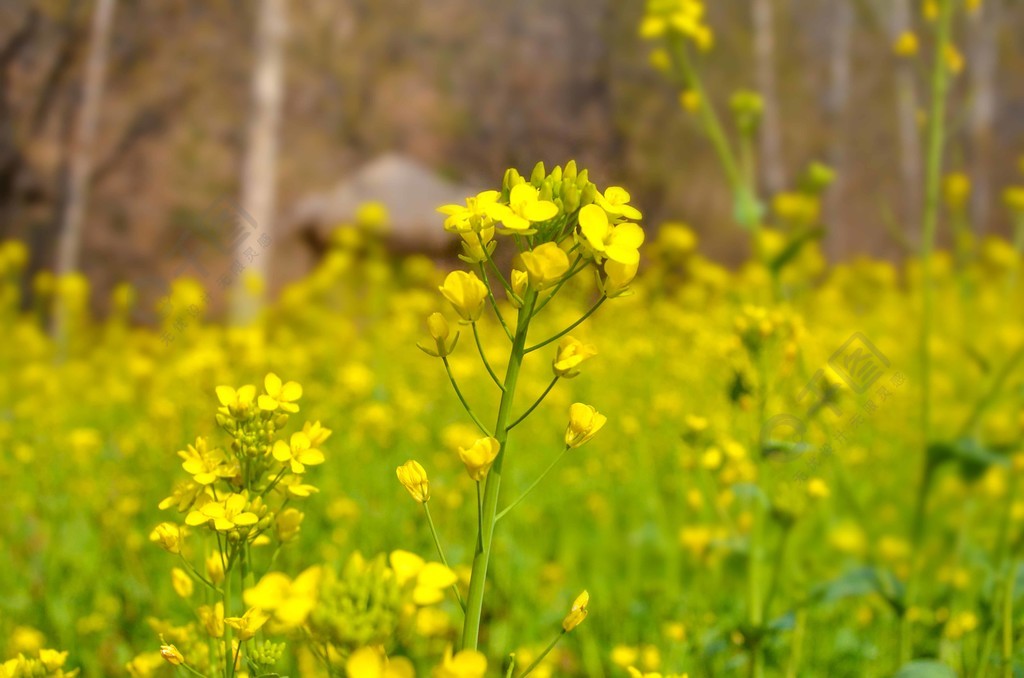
(909, 134)
(983, 61)
(84, 139)
(772, 174)
(255, 224)
(836, 104)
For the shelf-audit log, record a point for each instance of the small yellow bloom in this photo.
(471, 217)
(248, 624)
(954, 59)
(288, 524)
(571, 354)
(519, 281)
(298, 453)
(479, 457)
(181, 582)
(280, 396)
(690, 101)
(578, 612)
(466, 293)
(615, 202)
(619, 243)
(584, 423)
(290, 601)
(817, 488)
(465, 664)
(212, 617)
(439, 330)
(168, 535)
(238, 403)
(956, 190)
(223, 516)
(206, 465)
(906, 45)
(524, 209)
(215, 567)
(172, 655)
(373, 662)
(414, 479)
(545, 265)
(617, 278)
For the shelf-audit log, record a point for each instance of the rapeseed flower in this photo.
(577, 613)
(479, 457)
(280, 395)
(414, 479)
(571, 354)
(298, 453)
(584, 423)
(465, 293)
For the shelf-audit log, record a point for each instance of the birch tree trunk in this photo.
(82, 149)
(255, 235)
(983, 63)
(909, 134)
(772, 173)
(836, 104)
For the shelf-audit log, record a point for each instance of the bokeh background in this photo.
(459, 90)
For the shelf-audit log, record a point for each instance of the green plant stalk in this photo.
(933, 179)
(536, 662)
(534, 484)
(481, 558)
(798, 642)
(440, 552)
(1002, 553)
(1007, 649)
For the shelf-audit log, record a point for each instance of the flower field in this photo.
(575, 446)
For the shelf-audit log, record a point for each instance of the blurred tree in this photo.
(259, 177)
(910, 155)
(982, 58)
(773, 176)
(837, 104)
(83, 142)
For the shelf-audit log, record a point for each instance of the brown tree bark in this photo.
(983, 63)
(255, 224)
(772, 170)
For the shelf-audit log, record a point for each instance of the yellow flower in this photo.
(465, 664)
(619, 243)
(414, 479)
(617, 278)
(479, 457)
(578, 612)
(248, 624)
(817, 488)
(373, 662)
(168, 535)
(472, 216)
(316, 433)
(215, 567)
(288, 524)
(954, 59)
(690, 100)
(289, 601)
(519, 280)
(1013, 197)
(238, 403)
(206, 465)
(298, 453)
(545, 265)
(584, 423)
(212, 617)
(906, 45)
(224, 516)
(431, 580)
(956, 190)
(524, 209)
(478, 246)
(181, 582)
(465, 293)
(437, 326)
(280, 396)
(571, 354)
(615, 201)
(172, 655)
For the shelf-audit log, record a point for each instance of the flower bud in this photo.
(520, 279)
(437, 326)
(538, 174)
(168, 535)
(171, 655)
(215, 568)
(414, 479)
(578, 612)
(479, 457)
(466, 293)
(584, 423)
(545, 265)
(571, 353)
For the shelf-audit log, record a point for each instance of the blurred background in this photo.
(135, 135)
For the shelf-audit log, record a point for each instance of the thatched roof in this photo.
(410, 191)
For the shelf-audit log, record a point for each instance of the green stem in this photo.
(532, 485)
(462, 399)
(494, 303)
(933, 180)
(1007, 649)
(536, 662)
(477, 581)
(440, 553)
(483, 357)
(195, 573)
(570, 328)
(535, 404)
(792, 670)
